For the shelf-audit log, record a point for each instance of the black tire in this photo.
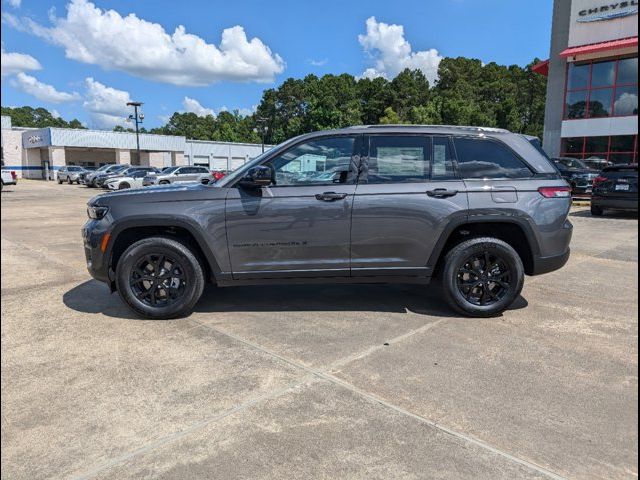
(505, 268)
(59, 181)
(597, 211)
(163, 182)
(69, 181)
(123, 186)
(176, 253)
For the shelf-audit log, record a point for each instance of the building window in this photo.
(602, 88)
(602, 151)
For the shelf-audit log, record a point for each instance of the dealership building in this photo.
(592, 90)
(36, 153)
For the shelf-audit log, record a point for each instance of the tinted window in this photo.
(201, 170)
(169, 170)
(398, 159)
(323, 161)
(481, 158)
(139, 173)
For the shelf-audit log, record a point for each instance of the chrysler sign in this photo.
(608, 11)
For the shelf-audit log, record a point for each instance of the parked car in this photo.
(98, 177)
(180, 175)
(89, 178)
(132, 178)
(615, 188)
(102, 179)
(577, 174)
(597, 163)
(69, 174)
(475, 208)
(9, 177)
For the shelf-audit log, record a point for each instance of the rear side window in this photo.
(398, 159)
(483, 158)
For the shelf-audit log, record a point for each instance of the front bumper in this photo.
(97, 262)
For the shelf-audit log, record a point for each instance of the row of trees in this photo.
(466, 93)
(37, 118)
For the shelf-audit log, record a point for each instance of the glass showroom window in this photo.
(599, 152)
(602, 88)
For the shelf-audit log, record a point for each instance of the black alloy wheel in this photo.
(484, 278)
(158, 280)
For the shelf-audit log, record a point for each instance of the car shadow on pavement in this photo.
(615, 214)
(94, 297)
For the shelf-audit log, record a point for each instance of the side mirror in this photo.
(259, 176)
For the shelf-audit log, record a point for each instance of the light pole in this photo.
(262, 128)
(138, 119)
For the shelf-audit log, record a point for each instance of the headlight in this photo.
(97, 213)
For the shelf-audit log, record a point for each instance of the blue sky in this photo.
(85, 59)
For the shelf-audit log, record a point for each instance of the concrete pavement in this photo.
(313, 381)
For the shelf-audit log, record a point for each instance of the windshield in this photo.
(104, 167)
(170, 169)
(571, 163)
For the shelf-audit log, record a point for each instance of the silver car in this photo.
(180, 175)
(69, 174)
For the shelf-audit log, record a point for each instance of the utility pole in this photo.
(262, 128)
(138, 119)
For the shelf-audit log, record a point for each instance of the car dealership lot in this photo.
(313, 381)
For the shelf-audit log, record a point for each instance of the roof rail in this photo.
(455, 127)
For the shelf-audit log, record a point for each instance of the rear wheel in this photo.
(123, 185)
(159, 278)
(59, 181)
(163, 182)
(482, 277)
(597, 211)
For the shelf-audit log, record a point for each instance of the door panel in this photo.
(300, 225)
(399, 213)
(396, 226)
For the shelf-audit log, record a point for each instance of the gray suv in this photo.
(475, 208)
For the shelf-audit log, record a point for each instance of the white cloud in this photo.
(144, 49)
(392, 53)
(55, 113)
(41, 91)
(107, 106)
(191, 105)
(15, 3)
(318, 63)
(12, 63)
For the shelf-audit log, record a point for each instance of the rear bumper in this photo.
(615, 203)
(542, 265)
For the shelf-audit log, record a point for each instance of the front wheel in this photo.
(482, 277)
(123, 186)
(159, 278)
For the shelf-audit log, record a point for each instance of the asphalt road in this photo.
(313, 381)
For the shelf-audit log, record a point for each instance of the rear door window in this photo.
(480, 158)
(398, 159)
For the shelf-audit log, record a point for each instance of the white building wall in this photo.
(12, 149)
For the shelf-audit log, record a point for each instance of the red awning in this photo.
(542, 68)
(600, 47)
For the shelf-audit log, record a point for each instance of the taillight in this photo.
(599, 179)
(555, 192)
(14, 175)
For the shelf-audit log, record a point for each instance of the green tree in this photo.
(37, 118)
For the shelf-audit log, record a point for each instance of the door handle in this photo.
(441, 193)
(330, 196)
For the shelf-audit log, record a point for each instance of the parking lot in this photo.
(313, 381)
